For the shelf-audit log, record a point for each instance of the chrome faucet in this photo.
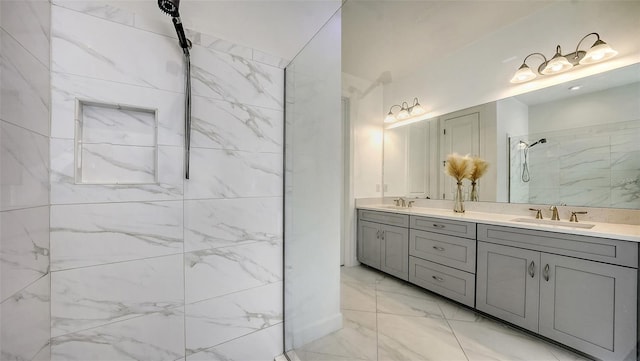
(554, 215)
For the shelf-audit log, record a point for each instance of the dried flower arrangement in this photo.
(459, 167)
(479, 169)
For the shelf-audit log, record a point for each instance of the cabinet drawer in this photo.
(392, 219)
(450, 251)
(444, 226)
(592, 248)
(449, 282)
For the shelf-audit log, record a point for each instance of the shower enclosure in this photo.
(313, 189)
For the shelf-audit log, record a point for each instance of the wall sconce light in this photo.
(599, 51)
(405, 112)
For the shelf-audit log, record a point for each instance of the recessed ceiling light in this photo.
(575, 87)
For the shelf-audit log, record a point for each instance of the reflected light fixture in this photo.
(559, 63)
(405, 112)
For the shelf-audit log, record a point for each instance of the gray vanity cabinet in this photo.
(589, 306)
(556, 285)
(383, 242)
(508, 284)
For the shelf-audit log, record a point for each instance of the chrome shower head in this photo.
(170, 7)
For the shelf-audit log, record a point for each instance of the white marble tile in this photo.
(214, 43)
(360, 274)
(92, 234)
(64, 189)
(269, 59)
(585, 153)
(44, 354)
(594, 197)
(357, 297)
(122, 126)
(629, 160)
(212, 322)
(24, 157)
(89, 297)
(231, 174)
(24, 86)
(625, 189)
(454, 311)
(223, 125)
(416, 338)
(28, 21)
(95, 54)
(399, 303)
(236, 79)
(213, 223)
(116, 164)
(157, 24)
(592, 178)
(355, 341)
(216, 272)
(261, 345)
(66, 88)
(97, 9)
(489, 340)
(24, 255)
(24, 330)
(157, 336)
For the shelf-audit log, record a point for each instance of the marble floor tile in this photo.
(491, 340)
(355, 341)
(413, 324)
(358, 297)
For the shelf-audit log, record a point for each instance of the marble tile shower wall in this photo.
(24, 181)
(179, 268)
(599, 166)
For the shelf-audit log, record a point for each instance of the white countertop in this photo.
(625, 232)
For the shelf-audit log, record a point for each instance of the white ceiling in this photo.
(276, 27)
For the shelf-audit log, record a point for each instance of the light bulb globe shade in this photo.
(390, 118)
(600, 51)
(403, 114)
(524, 74)
(556, 65)
(417, 110)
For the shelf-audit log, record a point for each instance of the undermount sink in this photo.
(554, 223)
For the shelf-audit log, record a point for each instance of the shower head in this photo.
(541, 141)
(170, 7)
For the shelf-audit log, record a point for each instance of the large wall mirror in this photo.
(460, 67)
(576, 143)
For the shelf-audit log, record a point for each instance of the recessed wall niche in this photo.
(115, 144)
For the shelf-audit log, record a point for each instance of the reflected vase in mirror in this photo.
(474, 192)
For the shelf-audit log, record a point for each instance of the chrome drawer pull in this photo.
(441, 249)
(532, 269)
(438, 225)
(439, 279)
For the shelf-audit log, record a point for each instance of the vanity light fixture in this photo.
(405, 112)
(559, 63)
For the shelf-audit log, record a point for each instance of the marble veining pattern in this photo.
(92, 234)
(409, 323)
(212, 322)
(89, 297)
(24, 85)
(212, 273)
(213, 223)
(260, 345)
(24, 255)
(28, 21)
(156, 336)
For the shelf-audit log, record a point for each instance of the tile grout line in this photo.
(453, 332)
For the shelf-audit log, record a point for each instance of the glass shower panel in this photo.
(313, 189)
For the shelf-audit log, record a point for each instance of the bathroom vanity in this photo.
(575, 285)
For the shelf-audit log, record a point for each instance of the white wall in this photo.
(313, 189)
(24, 180)
(178, 268)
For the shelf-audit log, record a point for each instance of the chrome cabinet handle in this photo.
(546, 273)
(532, 269)
(441, 249)
(438, 225)
(439, 279)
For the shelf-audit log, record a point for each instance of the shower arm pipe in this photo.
(187, 112)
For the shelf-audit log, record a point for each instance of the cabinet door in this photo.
(369, 235)
(508, 284)
(589, 306)
(395, 251)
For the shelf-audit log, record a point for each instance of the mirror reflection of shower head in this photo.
(541, 141)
